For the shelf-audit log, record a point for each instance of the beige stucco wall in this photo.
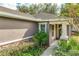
(12, 29)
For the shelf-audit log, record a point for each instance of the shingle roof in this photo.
(37, 17)
(29, 15)
(4, 9)
(6, 12)
(45, 16)
(50, 17)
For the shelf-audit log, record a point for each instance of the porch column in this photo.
(39, 27)
(50, 34)
(69, 30)
(64, 32)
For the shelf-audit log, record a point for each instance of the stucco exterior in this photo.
(12, 29)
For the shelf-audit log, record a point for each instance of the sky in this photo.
(12, 3)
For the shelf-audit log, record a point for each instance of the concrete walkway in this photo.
(49, 50)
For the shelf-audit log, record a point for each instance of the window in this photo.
(43, 27)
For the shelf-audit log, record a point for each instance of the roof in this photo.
(6, 12)
(50, 17)
(45, 16)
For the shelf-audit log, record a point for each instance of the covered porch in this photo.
(56, 29)
(59, 30)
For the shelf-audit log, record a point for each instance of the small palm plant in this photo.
(40, 38)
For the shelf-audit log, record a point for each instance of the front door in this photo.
(58, 31)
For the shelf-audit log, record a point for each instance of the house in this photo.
(15, 26)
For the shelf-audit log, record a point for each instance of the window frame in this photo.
(45, 24)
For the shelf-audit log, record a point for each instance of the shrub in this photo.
(22, 50)
(77, 34)
(32, 51)
(14, 50)
(69, 47)
(40, 38)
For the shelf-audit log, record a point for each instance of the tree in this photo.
(22, 8)
(71, 10)
(51, 8)
(34, 8)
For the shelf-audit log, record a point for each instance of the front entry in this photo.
(54, 32)
(58, 31)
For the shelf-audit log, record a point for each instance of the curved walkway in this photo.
(49, 50)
